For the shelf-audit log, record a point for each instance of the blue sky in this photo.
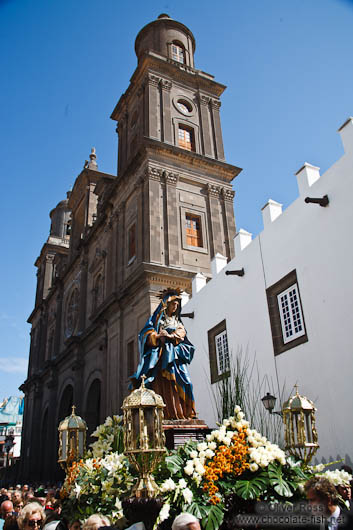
(64, 65)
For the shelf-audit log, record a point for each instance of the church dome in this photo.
(167, 37)
(60, 216)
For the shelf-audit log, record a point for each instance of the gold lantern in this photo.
(299, 427)
(72, 439)
(144, 439)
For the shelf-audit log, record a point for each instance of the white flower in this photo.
(209, 453)
(182, 483)
(319, 467)
(200, 469)
(189, 469)
(237, 409)
(253, 467)
(212, 445)
(108, 422)
(202, 446)
(77, 490)
(118, 504)
(337, 477)
(164, 513)
(187, 494)
(168, 485)
(193, 454)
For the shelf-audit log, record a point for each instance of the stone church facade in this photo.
(118, 240)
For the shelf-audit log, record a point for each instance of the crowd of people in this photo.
(24, 508)
(27, 508)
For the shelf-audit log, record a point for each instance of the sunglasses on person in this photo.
(32, 523)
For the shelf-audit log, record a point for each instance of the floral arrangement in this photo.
(97, 483)
(234, 466)
(338, 477)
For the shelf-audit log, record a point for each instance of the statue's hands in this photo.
(163, 335)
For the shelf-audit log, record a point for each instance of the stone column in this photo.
(58, 319)
(172, 221)
(205, 126)
(215, 216)
(217, 130)
(121, 244)
(166, 116)
(83, 294)
(151, 106)
(52, 437)
(153, 231)
(109, 259)
(48, 274)
(228, 221)
(140, 236)
(34, 454)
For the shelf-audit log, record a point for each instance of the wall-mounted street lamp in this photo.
(322, 201)
(188, 315)
(269, 402)
(239, 272)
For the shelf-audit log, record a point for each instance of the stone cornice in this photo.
(160, 66)
(223, 170)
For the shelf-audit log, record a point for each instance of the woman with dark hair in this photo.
(165, 352)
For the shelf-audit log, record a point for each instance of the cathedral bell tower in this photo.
(171, 158)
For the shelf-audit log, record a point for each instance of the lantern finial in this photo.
(73, 410)
(143, 377)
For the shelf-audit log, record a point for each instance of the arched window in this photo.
(72, 312)
(92, 410)
(178, 52)
(66, 403)
(98, 292)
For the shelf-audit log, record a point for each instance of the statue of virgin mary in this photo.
(165, 352)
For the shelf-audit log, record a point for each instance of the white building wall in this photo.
(316, 241)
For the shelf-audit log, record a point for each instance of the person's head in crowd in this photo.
(186, 521)
(6, 509)
(28, 497)
(18, 505)
(11, 523)
(345, 492)
(31, 517)
(321, 492)
(25, 488)
(75, 525)
(16, 496)
(95, 521)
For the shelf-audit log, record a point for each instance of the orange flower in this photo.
(230, 459)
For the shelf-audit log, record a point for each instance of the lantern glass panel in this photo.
(135, 429)
(149, 421)
(63, 445)
(309, 431)
(80, 443)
